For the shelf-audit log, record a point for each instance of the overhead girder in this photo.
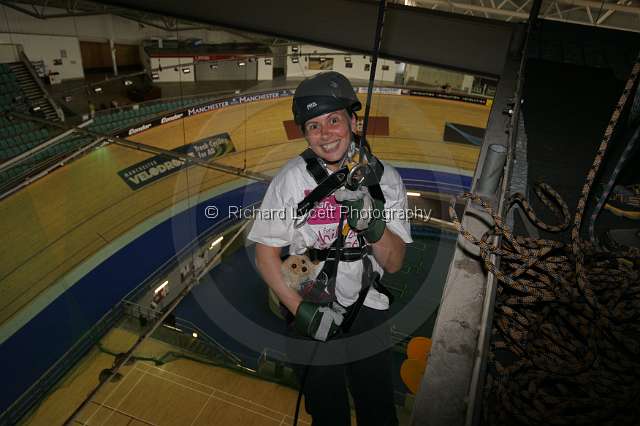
(40, 14)
(474, 45)
(583, 12)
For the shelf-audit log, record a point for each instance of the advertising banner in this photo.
(448, 96)
(159, 166)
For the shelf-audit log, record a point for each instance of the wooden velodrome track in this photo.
(61, 220)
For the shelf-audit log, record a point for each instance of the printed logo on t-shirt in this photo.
(325, 211)
(324, 219)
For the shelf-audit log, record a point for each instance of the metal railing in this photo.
(45, 93)
(39, 389)
(184, 326)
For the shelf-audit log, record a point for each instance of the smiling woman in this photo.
(329, 136)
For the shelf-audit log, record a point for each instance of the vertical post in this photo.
(492, 169)
(112, 46)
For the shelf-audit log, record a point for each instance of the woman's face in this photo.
(329, 135)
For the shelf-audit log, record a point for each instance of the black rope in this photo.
(372, 72)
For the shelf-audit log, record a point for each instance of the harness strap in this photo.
(324, 189)
(348, 254)
(328, 184)
(314, 167)
(369, 278)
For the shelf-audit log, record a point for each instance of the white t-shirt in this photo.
(274, 225)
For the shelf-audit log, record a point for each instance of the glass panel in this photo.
(125, 229)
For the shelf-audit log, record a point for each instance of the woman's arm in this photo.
(269, 264)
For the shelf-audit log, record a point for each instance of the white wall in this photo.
(356, 72)
(467, 83)
(265, 72)
(8, 53)
(169, 73)
(48, 48)
(227, 70)
(411, 73)
(440, 77)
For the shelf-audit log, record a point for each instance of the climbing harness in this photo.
(336, 252)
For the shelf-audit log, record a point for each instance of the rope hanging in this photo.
(566, 329)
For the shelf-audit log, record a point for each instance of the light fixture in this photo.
(35, 109)
(213, 66)
(195, 335)
(294, 48)
(267, 61)
(155, 76)
(323, 59)
(347, 59)
(241, 63)
(216, 241)
(186, 70)
(160, 287)
(97, 89)
(413, 194)
(128, 83)
(295, 60)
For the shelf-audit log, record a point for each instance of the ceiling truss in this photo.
(614, 14)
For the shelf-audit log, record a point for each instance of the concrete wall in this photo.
(467, 83)
(411, 73)
(265, 70)
(357, 71)
(172, 69)
(8, 53)
(439, 77)
(48, 49)
(226, 70)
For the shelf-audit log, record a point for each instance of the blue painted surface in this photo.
(33, 349)
(434, 181)
(26, 355)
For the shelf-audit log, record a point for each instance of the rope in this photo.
(566, 331)
(627, 152)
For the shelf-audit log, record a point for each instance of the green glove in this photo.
(318, 321)
(364, 213)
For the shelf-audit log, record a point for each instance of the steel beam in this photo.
(412, 34)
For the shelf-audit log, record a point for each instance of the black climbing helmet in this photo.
(323, 93)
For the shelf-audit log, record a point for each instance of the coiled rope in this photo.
(566, 330)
